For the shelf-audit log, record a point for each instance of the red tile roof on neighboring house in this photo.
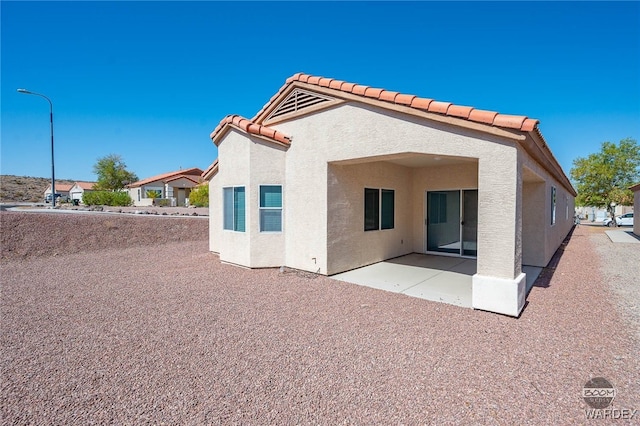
(250, 127)
(87, 186)
(194, 179)
(60, 187)
(165, 176)
(518, 122)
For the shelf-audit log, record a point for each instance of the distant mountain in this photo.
(25, 188)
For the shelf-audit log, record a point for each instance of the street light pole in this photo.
(53, 174)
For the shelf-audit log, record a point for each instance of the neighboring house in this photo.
(79, 188)
(61, 188)
(636, 208)
(596, 214)
(330, 176)
(175, 186)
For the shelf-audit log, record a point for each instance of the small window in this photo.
(371, 209)
(387, 209)
(379, 209)
(270, 208)
(233, 209)
(553, 205)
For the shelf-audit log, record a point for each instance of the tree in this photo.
(153, 194)
(112, 173)
(199, 195)
(604, 178)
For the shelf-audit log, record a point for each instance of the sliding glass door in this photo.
(452, 222)
(469, 222)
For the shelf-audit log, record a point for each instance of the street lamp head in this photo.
(23, 91)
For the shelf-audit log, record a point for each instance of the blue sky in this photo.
(150, 80)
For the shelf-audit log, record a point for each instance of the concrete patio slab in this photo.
(622, 236)
(437, 278)
(447, 287)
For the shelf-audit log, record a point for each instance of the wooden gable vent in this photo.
(298, 100)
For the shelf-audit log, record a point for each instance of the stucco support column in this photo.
(499, 284)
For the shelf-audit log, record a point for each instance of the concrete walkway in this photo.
(436, 278)
(622, 236)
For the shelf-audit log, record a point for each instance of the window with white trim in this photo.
(270, 208)
(379, 209)
(233, 208)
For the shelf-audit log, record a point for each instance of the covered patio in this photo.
(437, 278)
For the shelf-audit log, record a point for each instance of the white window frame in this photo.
(281, 208)
(233, 211)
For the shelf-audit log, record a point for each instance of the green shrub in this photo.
(199, 196)
(106, 198)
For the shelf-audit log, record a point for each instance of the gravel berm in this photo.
(146, 326)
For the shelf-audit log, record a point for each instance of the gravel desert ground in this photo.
(130, 320)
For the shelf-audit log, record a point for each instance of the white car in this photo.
(624, 220)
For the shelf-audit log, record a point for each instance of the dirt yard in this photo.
(130, 320)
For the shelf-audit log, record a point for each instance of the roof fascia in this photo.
(228, 126)
(537, 147)
(213, 170)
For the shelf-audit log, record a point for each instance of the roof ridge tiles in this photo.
(519, 122)
(250, 127)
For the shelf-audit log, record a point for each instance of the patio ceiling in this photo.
(411, 159)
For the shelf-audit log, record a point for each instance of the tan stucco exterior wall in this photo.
(540, 238)
(348, 245)
(267, 168)
(332, 136)
(234, 155)
(249, 163)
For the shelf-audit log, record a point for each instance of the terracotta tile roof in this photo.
(165, 176)
(192, 178)
(250, 127)
(211, 170)
(492, 118)
(518, 122)
(87, 186)
(60, 187)
(635, 187)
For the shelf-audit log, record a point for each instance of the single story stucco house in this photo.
(636, 208)
(330, 176)
(79, 188)
(61, 188)
(175, 186)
